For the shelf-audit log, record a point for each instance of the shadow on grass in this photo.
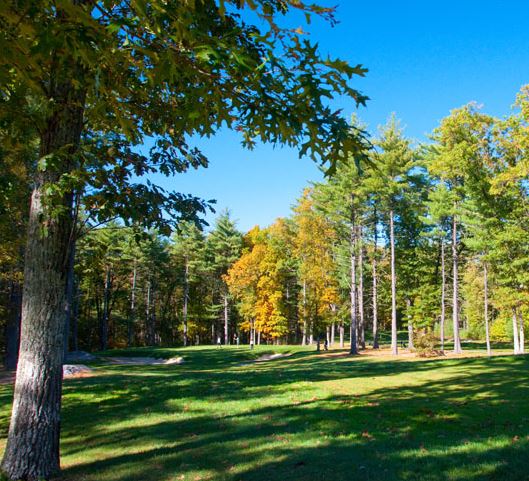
(452, 419)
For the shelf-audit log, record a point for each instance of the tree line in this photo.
(429, 238)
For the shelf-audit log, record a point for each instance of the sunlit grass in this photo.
(308, 416)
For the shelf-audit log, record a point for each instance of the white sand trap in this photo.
(143, 361)
(264, 358)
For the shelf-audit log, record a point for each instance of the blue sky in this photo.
(424, 59)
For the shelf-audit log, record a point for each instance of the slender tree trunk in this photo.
(515, 332)
(132, 318)
(32, 450)
(186, 299)
(486, 306)
(353, 328)
(455, 298)
(443, 296)
(521, 334)
(70, 291)
(333, 331)
(304, 301)
(103, 328)
(75, 316)
(13, 325)
(226, 321)
(342, 335)
(394, 347)
(410, 326)
(375, 286)
(148, 339)
(258, 338)
(362, 331)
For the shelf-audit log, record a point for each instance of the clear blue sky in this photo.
(424, 59)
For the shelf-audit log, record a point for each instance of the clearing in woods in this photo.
(307, 416)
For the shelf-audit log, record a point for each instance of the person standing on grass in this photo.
(219, 342)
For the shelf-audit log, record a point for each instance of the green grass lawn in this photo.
(304, 417)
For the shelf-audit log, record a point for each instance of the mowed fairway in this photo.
(302, 417)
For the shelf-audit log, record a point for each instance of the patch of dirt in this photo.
(76, 370)
(142, 361)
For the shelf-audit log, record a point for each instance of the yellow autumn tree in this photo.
(314, 240)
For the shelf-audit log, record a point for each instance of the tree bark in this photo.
(32, 451)
(515, 332)
(132, 317)
(103, 328)
(70, 291)
(375, 286)
(486, 306)
(362, 330)
(455, 293)
(353, 328)
(521, 334)
(342, 335)
(410, 326)
(394, 347)
(226, 321)
(304, 304)
(443, 296)
(186, 300)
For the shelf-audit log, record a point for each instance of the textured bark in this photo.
(394, 347)
(410, 326)
(521, 334)
(132, 317)
(443, 296)
(486, 306)
(186, 300)
(515, 332)
(375, 285)
(226, 321)
(103, 326)
(32, 451)
(304, 305)
(353, 327)
(455, 290)
(70, 292)
(361, 317)
(13, 325)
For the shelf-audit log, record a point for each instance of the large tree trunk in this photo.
(32, 451)
(443, 296)
(486, 306)
(13, 325)
(394, 347)
(186, 300)
(455, 293)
